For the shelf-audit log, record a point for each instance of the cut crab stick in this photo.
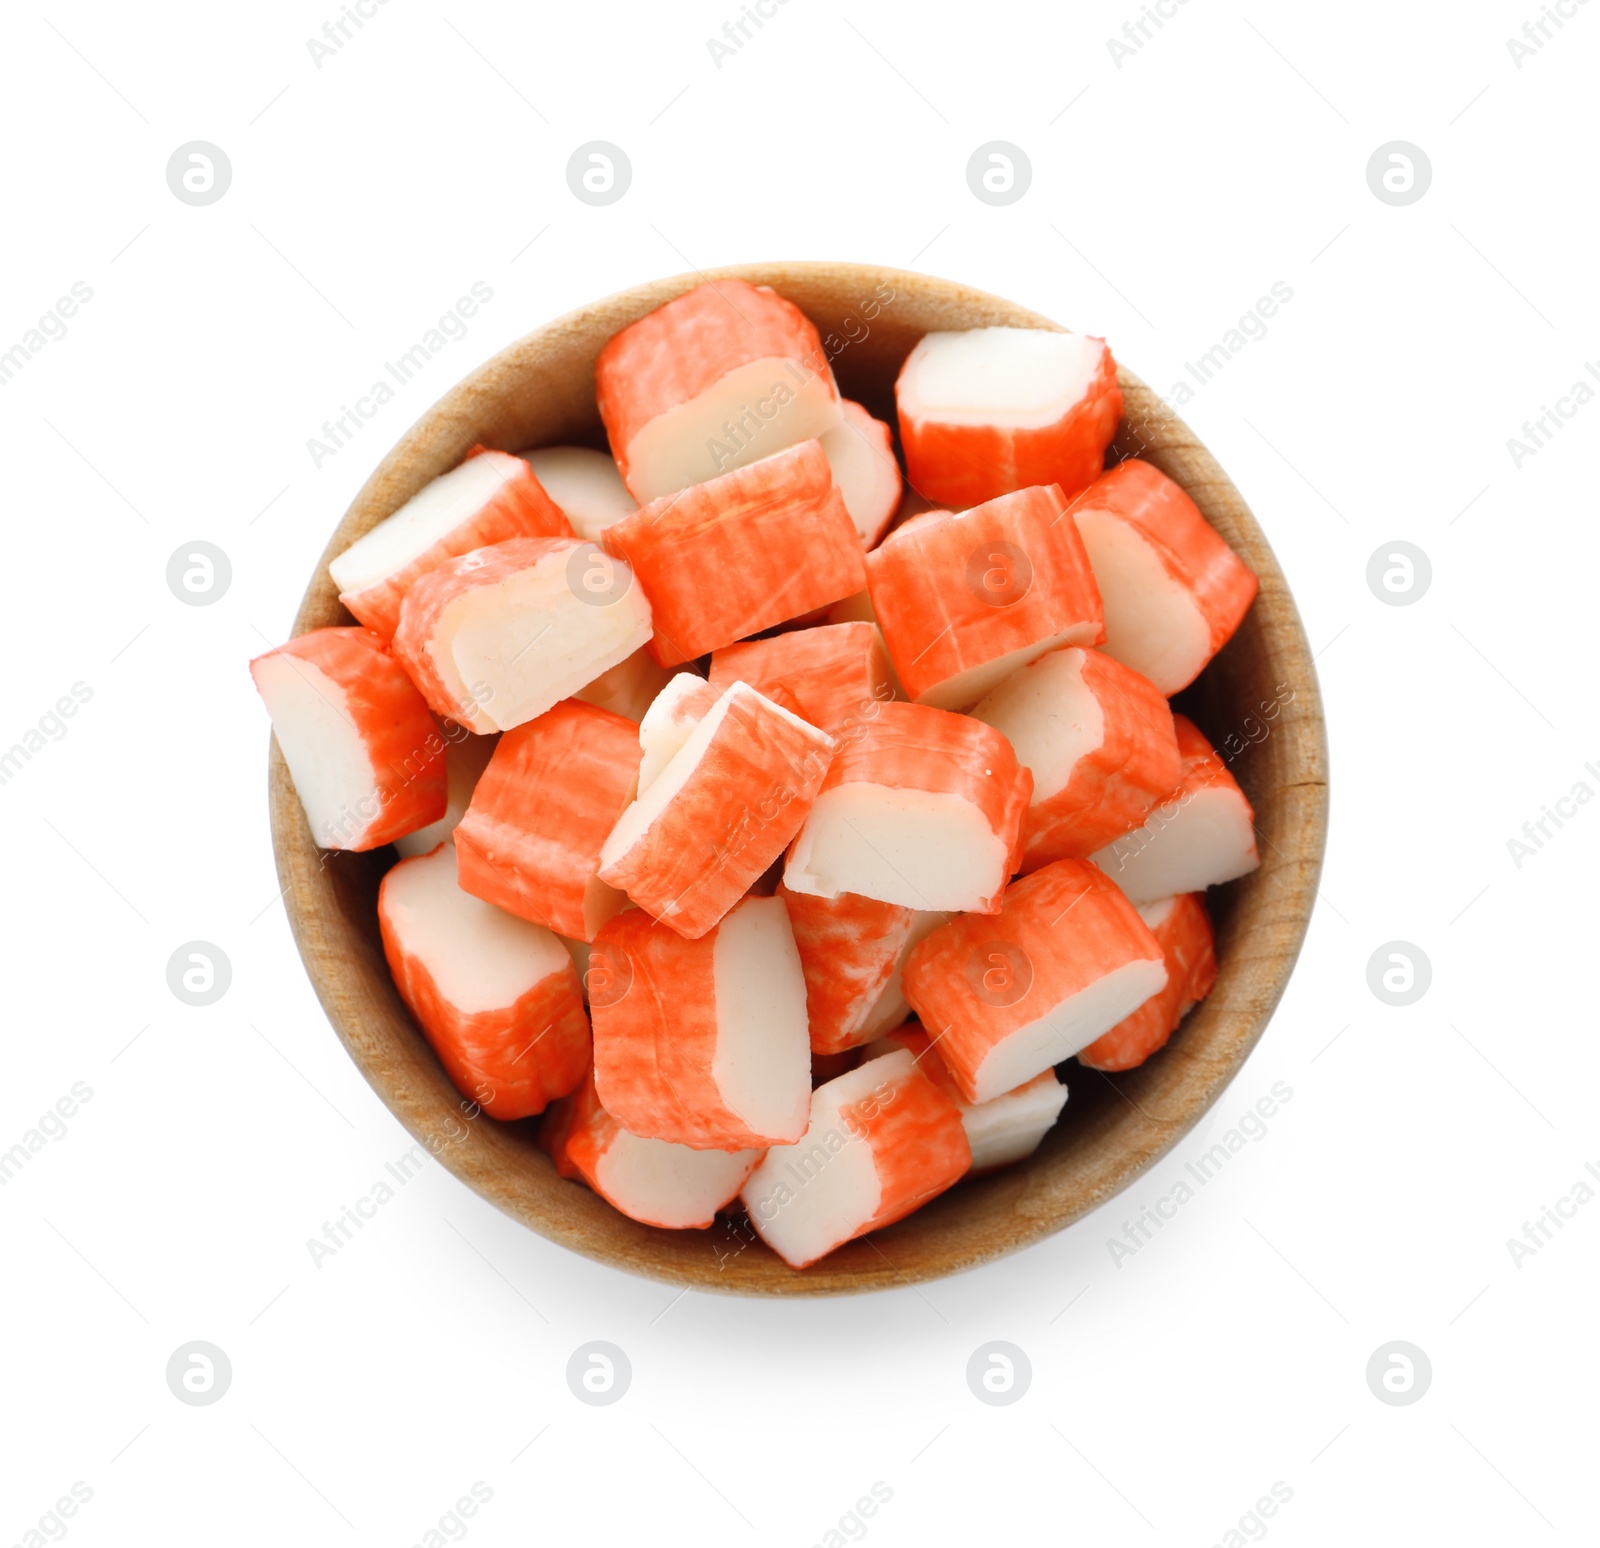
(1183, 928)
(702, 1042)
(1007, 1128)
(649, 1180)
(720, 377)
(837, 673)
(497, 996)
(669, 722)
(734, 556)
(920, 807)
(892, 1008)
(860, 451)
(465, 759)
(628, 688)
(848, 948)
(719, 812)
(965, 600)
(996, 409)
(367, 759)
(1099, 742)
(882, 1140)
(530, 841)
(1201, 835)
(497, 636)
(1173, 590)
(491, 497)
(584, 484)
(1064, 961)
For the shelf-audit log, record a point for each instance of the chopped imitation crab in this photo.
(881, 1141)
(1099, 742)
(734, 556)
(628, 688)
(497, 636)
(718, 812)
(1063, 962)
(1173, 590)
(465, 759)
(1004, 1129)
(649, 1180)
(919, 807)
(722, 376)
(1183, 928)
(530, 841)
(367, 759)
(860, 451)
(584, 484)
(848, 948)
(491, 497)
(1201, 835)
(496, 996)
(667, 724)
(838, 673)
(702, 1042)
(965, 600)
(991, 410)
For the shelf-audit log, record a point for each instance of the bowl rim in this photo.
(480, 1154)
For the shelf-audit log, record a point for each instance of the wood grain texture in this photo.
(540, 391)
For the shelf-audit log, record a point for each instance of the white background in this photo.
(1168, 1393)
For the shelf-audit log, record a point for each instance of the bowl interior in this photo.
(1258, 702)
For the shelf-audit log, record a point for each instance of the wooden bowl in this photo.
(1259, 698)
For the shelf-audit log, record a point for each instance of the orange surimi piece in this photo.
(836, 672)
(849, 947)
(722, 376)
(743, 552)
(991, 410)
(965, 600)
(702, 1042)
(860, 450)
(882, 1140)
(1064, 961)
(1099, 742)
(683, 702)
(1004, 1129)
(465, 759)
(718, 812)
(920, 807)
(530, 841)
(649, 1180)
(1183, 928)
(367, 759)
(497, 636)
(584, 484)
(491, 497)
(1173, 590)
(496, 996)
(1201, 835)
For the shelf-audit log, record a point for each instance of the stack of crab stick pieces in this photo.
(776, 822)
